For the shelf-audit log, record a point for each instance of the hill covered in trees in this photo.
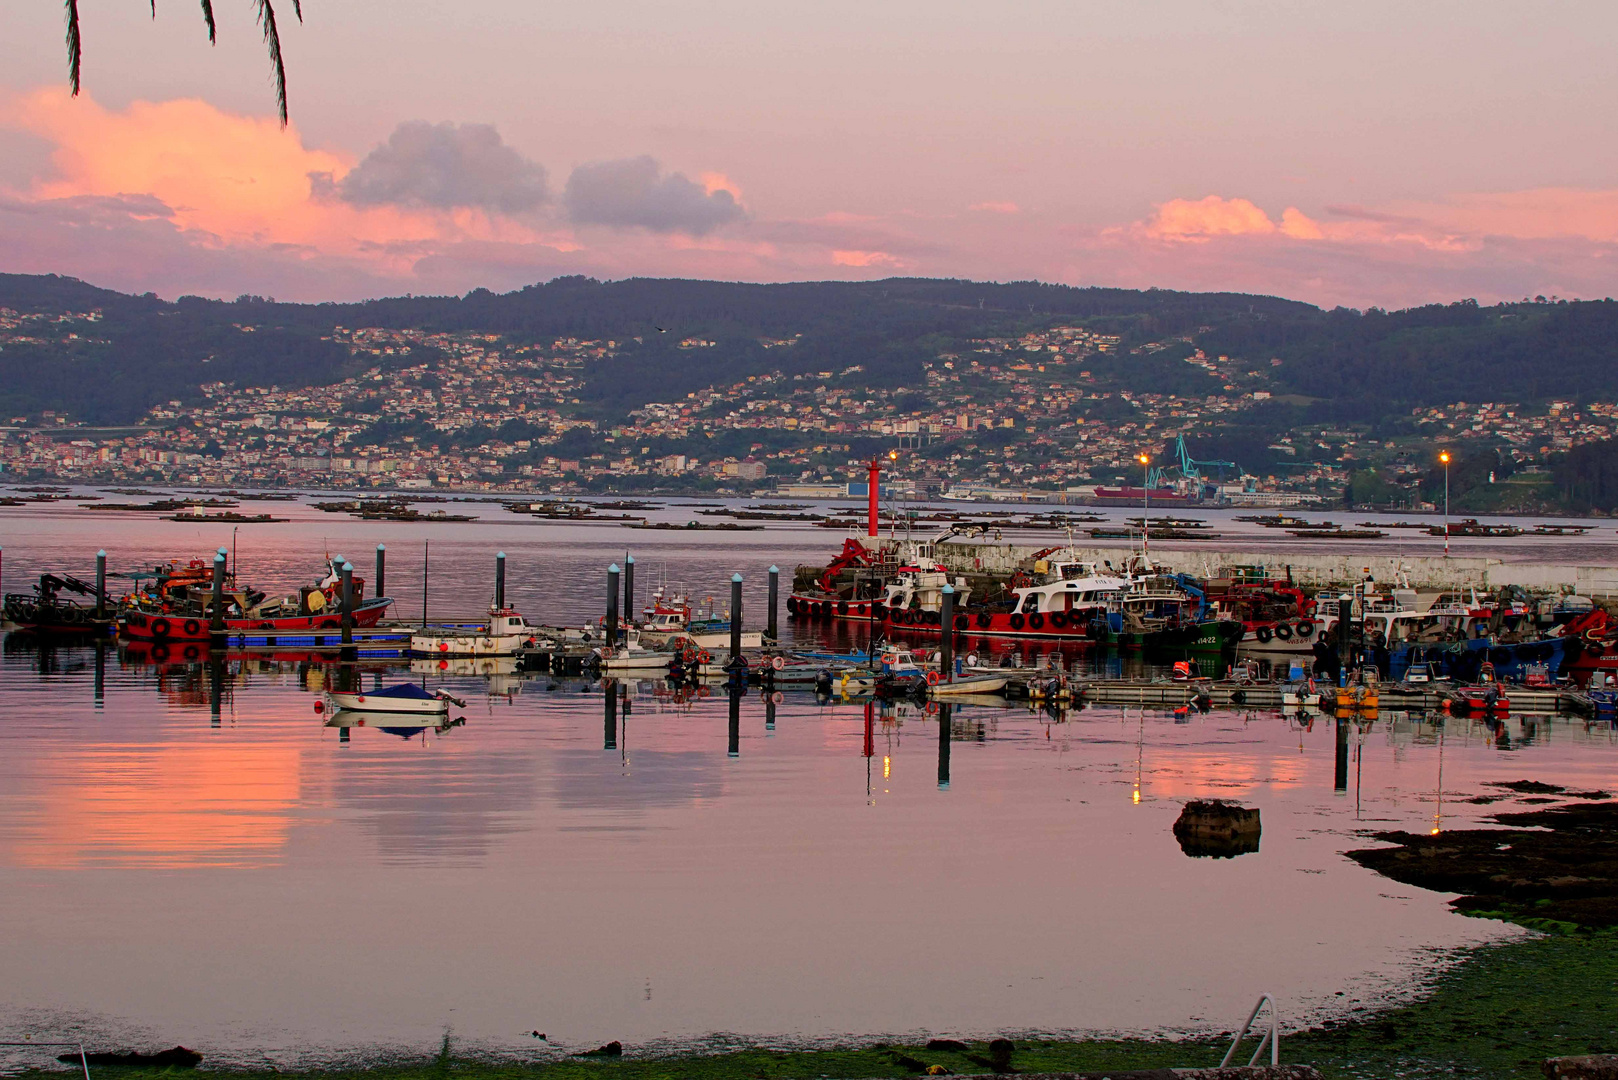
(1341, 366)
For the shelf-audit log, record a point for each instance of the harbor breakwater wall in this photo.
(1315, 568)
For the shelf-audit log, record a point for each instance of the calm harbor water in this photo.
(241, 879)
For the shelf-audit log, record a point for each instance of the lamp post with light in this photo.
(1145, 502)
(1443, 457)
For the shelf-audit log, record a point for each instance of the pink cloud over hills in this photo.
(184, 196)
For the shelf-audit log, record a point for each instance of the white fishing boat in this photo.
(633, 656)
(504, 635)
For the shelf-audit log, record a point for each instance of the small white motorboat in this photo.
(970, 684)
(406, 699)
(631, 657)
(1300, 693)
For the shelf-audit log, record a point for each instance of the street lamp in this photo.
(1145, 502)
(1443, 457)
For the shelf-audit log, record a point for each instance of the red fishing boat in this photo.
(173, 605)
(1590, 645)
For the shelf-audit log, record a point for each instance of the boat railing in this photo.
(1272, 1036)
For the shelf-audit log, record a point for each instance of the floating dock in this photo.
(1222, 694)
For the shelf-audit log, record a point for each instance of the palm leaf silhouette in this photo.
(265, 11)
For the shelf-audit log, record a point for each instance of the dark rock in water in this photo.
(1550, 868)
(1000, 1055)
(947, 1044)
(1214, 828)
(1528, 787)
(1588, 1067)
(612, 1049)
(176, 1058)
(905, 1061)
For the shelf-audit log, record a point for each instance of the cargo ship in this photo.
(1135, 496)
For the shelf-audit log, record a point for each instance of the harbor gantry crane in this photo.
(1189, 468)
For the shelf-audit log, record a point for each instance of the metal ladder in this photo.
(1272, 1036)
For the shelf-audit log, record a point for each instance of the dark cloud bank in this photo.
(635, 192)
(446, 166)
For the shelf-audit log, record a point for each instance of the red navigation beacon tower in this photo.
(873, 487)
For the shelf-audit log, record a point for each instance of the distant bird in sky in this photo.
(659, 329)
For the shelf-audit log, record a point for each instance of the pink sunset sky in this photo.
(1367, 153)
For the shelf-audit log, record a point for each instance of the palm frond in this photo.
(272, 38)
(75, 49)
(207, 17)
(297, 9)
(154, 9)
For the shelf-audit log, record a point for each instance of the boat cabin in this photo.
(1076, 587)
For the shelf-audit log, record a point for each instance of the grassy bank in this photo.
(1497, 1014)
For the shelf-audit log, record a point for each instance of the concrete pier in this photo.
(1314, 568)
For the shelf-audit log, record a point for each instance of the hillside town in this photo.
(1009, 418)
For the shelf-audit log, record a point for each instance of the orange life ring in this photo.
(932, 678)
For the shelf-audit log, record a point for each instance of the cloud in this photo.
(1198, 220)
(1540, 213)
(636, 193)
(866, 258)
(996, 207)
(446, 166)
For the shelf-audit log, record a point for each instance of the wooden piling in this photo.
(380, 586)
(735, 616)
(771, 628)
(216, 689)
(629, 590)
(946, 635)
(612, 604)
(735, 747)
(216, 623)
(347, 601)
(101, 584)
(500, 580)
(1339, 780)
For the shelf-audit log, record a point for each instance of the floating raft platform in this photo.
(1223, 694)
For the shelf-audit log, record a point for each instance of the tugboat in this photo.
(171, 604)
(47, 611)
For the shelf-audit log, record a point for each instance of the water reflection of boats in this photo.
(404, 725)
(465, 666)
(504, 675)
